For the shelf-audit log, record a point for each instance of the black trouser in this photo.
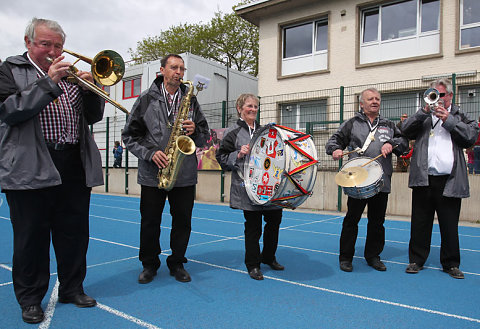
(253, 232)
(426, 201)
(152, 202)
(377, 205)
(61, 211)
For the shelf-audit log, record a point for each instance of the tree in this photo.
(226, 39)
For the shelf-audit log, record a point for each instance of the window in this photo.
(394, 105)
(297, 115)
(298, 40)
(131, 88)
(399, 20)
(400, 30)
(469, 24)
(469, 101)
(370, 26)
(305, 47)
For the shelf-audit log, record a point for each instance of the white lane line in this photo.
(223, 238)
(127, 317)
(115, 243)
(337, 292)
(52, 303)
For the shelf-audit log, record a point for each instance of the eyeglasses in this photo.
(48, 45)
(442, 94)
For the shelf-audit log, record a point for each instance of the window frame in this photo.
(324, 17)
(418, 53)
(297, 116)
(132, 87)
(460, 27)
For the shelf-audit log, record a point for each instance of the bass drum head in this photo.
(263, 171)
(270, 159)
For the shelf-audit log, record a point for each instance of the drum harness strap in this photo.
(370, 138)
(292, 142)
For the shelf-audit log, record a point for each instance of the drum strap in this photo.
(370, 138)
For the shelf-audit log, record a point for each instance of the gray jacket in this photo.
(233, 139)
(353, 133)
(25, 161)
(464, 133)
(146, 132)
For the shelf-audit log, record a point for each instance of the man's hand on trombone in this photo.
(60, 69)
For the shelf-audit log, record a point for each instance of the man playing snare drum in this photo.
(369, 135)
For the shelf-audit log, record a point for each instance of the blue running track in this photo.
(312, 292)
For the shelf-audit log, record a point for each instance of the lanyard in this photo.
(173, 106)
(433, 126)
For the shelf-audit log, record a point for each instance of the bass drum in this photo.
(281, 168)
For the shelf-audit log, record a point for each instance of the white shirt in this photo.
(440, 149)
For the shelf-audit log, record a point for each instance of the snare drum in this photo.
(369, 187)
(281, 168)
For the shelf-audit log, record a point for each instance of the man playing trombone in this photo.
(48, 164)
(368, 134)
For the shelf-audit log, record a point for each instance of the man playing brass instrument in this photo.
(438, 177)
(146, 135)
(48, 164)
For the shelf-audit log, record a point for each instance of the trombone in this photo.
(107, 69)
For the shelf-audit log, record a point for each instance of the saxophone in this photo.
(178, 145)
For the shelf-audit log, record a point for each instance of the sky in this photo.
(95, 25)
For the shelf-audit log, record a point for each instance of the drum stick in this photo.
(347, 153)
(378, 156)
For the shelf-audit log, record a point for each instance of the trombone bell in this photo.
(108, 67)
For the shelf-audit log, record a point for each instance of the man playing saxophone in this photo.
(146, 134)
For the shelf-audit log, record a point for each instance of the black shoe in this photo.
(255, 273)
(32, 314)
(180, 274)
(346, 266)
(276, 266)
(454, 272)
(80, 300)
(146, 276)
(377, 264)
(413, 268)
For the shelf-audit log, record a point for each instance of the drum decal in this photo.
(265, 178)
(272, 133)
(262, 142)
(277, 171)
(256, 162)
(264, 190)
(266, 163)
(271, 149)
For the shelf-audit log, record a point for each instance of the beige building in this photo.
(310, 45)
